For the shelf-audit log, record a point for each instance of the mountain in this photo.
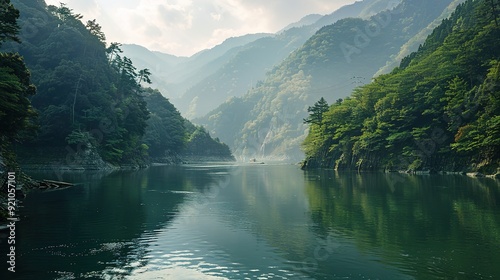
(418, 39)
(144, 57)
(307, 20)
(438, 111)
(250, 64)
(173, 75)
(267, 121)
(205, 80)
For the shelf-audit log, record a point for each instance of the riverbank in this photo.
(57, 159)
(311, 164)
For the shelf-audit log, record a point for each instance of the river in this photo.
(258, 222)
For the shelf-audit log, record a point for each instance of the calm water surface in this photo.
(259, 222)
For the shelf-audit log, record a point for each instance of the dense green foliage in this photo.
(88, 95)
(201, 144)
(8, 23)
(339, 57)
(16, 113)
(440, 110)
(166, 131)
(169, 135)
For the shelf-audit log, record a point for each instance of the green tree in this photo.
(113, 51)
(96, 30)
(494, 10)
(64, 14)
(165, 132)
(16, 113)
(8, 22)
(316, 112)
(144, 76)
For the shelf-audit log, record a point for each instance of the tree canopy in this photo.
(8, 22)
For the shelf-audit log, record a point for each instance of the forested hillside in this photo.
(171, 138)
(88, 95)
(439, 110)
(16, 113)
(91, 101)
(338, 58)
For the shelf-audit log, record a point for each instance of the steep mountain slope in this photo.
(253, 61)
(267, 121)
(413, 43)
(173, 75)
(440, 110)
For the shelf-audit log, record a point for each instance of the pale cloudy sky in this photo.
(184, 27)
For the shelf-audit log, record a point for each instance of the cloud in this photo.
(90, 9)
(174, 17)
(183, 27)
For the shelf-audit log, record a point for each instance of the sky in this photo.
(184, 27)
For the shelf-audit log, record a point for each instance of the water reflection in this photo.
(429, 226)
(233, 229)
(260, 222)
(255, 224)
(93, 230)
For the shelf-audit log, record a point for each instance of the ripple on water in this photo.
(188, 256)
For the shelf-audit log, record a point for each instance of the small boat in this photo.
(254, 161)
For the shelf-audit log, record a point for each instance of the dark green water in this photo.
(259, 222)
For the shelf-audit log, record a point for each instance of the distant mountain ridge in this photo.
(202, 82)
(307, 20)
(172, 74)
(267, 121)
(257, 58)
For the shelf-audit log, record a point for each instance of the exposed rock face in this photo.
(475, 174)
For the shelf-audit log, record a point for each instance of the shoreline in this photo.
(495, 176)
